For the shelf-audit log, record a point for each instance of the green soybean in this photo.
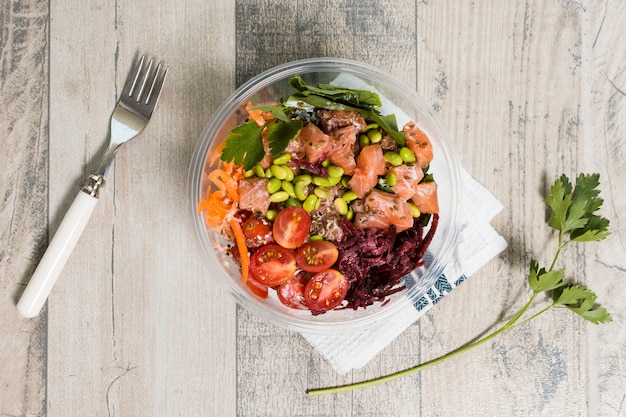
(341, 206)
(305, 178)
(289, 188)
(349, 196)
(301, 189)
(322, 192)
(273, 185)
(279, 197)
(350, 215)
(393, 158)
(292, 202)
(334, 180)
(279, 171)
(268, 173)
(371, 126)
(290, 175)
(270, 214)
(364, 141)
(310, 202)
(321, 181)
(315, 238)
(391, 179)
(259, 171)
(375, 136)
(415, 212)
(335, 171)
(345, 180)
(407, 155)
(282, 159)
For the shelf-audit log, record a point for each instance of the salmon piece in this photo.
(407, 179)
(317, 145)
(342, 149)
(419, 143)
(426, 197)
(331, 120)
(369, 165)
(384, 209)
(253, 195)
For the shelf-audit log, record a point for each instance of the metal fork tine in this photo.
(154, 80)
(157, 85)
(129, 88)
(146, 74)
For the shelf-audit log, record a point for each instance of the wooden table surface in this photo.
(137, 327)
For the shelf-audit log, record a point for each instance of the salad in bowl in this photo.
(317, 198)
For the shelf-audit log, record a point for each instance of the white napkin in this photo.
(478, 244)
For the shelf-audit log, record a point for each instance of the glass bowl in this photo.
(397, 98)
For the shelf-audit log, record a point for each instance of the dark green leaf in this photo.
(279, 135)
(277, 111)
(351, 97)
(541, 281)
(582, 301)
(244, 145)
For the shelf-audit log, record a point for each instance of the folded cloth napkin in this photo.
(478, 243)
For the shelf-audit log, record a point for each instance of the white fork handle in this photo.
(56, 255)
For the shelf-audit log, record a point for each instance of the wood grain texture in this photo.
(137, 327)
(23, 189)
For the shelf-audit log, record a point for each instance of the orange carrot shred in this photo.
(243, 249)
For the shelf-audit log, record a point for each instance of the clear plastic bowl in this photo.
(397, 98)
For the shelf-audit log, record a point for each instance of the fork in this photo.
(131, 114)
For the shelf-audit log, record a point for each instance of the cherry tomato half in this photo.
(291, 293)
(257, 288)
(325, 291)
(316, 255)
(258, 231)
(291, 227)
(273, 265)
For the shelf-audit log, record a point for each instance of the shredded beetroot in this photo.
(316, 169)
(375, 260)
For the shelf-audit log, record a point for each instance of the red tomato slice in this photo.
(257, 288)
(272, 265)
(258, 231)
(291, 227)
(325, 291)
(316, 256)
(291, 293)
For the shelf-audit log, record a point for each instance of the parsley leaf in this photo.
(279, 135)
(573, 214)
(244, 145)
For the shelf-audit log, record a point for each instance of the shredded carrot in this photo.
(243, 249)
(258, 116)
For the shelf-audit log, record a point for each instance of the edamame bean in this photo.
(391, 179)
(289, 188)
(350, 215)
(268, 173)
(371, 126)
(301, 189)
(344, 181)
(279, 171)
(259, 171)
(335, 171)
(290, 175)
(249, 173)
(282, 159)
(334, 180)
(325, 163)
(407, 155)
(364, 141)
(315, 238)
(279, 197)
(273, 185)
(305, 178)
(349, 196)
(292, 202)
(321, 181)
(322, 192)
(375, 136)
(270, 215)
(341, 206)
(393, 158)
(415, 212)
(310, 202)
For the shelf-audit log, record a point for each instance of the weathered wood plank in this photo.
(23, 205)
(149, 334)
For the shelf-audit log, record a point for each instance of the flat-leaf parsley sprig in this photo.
(573, 215)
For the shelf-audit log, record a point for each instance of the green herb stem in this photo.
(342, 388)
